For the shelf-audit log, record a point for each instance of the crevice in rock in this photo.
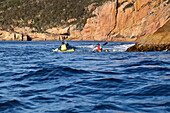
(29, 38)
(117, 6)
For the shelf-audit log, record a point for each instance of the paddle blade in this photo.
(105, 43)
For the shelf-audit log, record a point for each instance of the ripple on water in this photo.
(35, 79)
(14, 106)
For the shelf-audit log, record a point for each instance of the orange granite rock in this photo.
(158, 41)
(126, 20)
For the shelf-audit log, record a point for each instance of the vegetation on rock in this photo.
(44, 14)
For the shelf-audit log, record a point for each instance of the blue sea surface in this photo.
(34, 79)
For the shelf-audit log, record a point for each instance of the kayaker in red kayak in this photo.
(98, 48)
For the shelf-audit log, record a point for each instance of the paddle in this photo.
(104, 43)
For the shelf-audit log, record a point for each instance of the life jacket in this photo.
(99, 48)
(63, 47)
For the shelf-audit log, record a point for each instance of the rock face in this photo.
(27, 34)
(158, 41)
(160, 36)
(14, 36)
(53, 34)
(96, 28)
(126, 20)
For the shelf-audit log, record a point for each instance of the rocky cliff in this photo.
(126, 20)
(120, 20)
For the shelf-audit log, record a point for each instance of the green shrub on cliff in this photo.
(44, 14)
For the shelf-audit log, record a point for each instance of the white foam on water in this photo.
(119, 48)
(86, 46)
(123, 48)
(114, 48)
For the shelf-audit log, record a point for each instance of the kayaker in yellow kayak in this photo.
(64, 46)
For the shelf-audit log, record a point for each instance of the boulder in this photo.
(59, 30)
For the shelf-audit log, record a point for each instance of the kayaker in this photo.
(64, 46)
(98, 48)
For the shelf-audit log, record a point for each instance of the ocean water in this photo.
(34, 79)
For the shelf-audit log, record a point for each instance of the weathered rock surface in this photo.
(160, 36)
(59, 30)
(12, 36)
(158, 41)
(28, 34)
(126, 20)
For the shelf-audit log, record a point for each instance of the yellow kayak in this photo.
(69, 50)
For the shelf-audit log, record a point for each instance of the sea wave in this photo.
(35, 79)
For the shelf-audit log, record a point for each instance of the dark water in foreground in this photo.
(33, 79)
